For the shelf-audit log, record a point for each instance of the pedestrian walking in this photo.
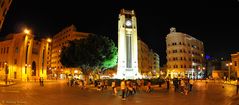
(123, 88)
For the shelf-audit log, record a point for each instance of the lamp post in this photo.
(229, 70)
(6, 72)
(27, 32)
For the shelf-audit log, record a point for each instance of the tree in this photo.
(95, 51)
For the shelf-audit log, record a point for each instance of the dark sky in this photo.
(214, 22)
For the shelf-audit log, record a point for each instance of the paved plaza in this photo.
(58, 93)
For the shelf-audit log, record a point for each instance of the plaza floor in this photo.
(58, 93)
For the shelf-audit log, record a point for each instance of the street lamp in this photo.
(49, 40)
(229, 70)
(26, 31)
(6, 72)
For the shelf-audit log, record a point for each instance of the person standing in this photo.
(191, 84)
(237, 86)
(40, 81)
(123, 88)
(167, 81)
(175, 83)
(113, 85)
(182, 86)
(148, 87)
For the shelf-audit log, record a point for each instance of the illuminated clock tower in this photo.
(127, 46)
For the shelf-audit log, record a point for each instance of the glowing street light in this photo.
(26, 31)
(49, 40)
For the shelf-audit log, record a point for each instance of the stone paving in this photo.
(58, 93)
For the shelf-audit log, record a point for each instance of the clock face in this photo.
(128, 23)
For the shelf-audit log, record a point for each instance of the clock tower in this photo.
(127, 46)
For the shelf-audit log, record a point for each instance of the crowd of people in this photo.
(131, 87)
(183, 85)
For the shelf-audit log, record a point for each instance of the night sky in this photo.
(214, 22)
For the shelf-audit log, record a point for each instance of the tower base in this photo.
(128, 74)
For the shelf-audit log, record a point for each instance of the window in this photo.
(181, 66)
(174, 43)
(235, 63)
(7, 49)
(181, 50)
(16, 50)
